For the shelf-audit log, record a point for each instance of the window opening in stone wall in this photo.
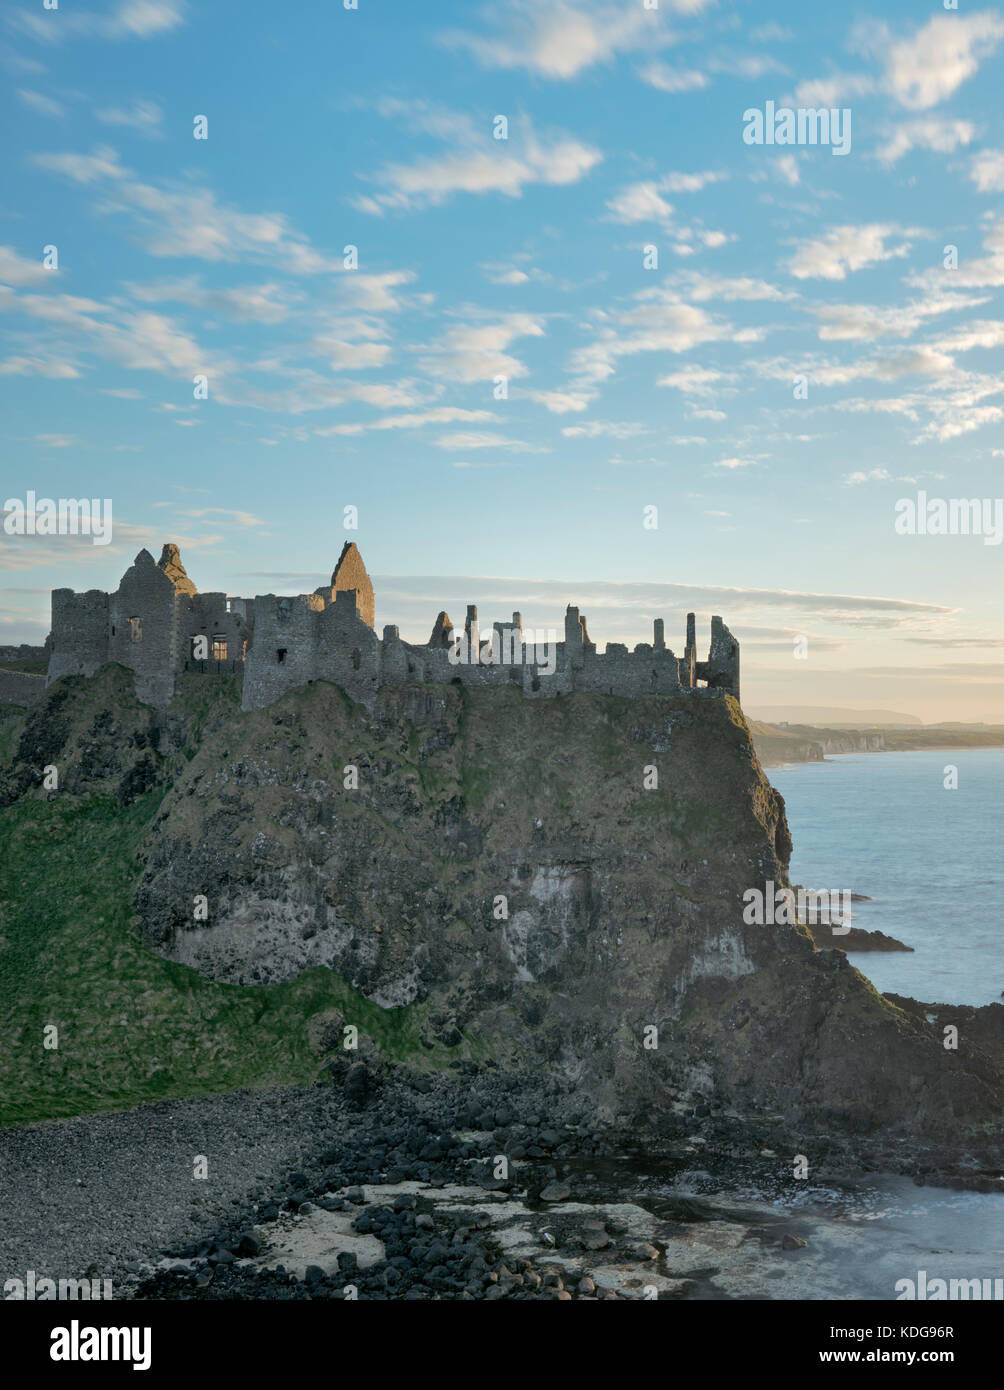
(280, 655)
(357, 657)
(219, 649)
(136, 629)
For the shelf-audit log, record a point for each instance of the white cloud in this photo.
(640, 202)
(375, 293)
(692, 381)
(832, 90)
(561, 39)
(984, 272)
(691, 183)
(563, 402)
(19, 270)
(658, 321)
(131, 19)
(266, 303)
(669, 79)
(612, 429)
(928, 67)
(190, 221)
(103, 163)
(38, 366)
(983, 333)
(45, 106)
(643, 201)
(856, 322)
(873, 475)
(487, 440)
(145, 117)
(439, 415)
(478, 351)
(918, 72)
(925, 133)
(987, 171)
(481, 165)
(699, 286)
(846, 249)
(733, 463)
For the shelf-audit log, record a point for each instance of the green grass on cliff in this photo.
(132, 1026)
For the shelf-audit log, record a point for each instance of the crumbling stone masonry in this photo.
(157, 625)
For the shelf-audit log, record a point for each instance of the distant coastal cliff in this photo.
(777, 744)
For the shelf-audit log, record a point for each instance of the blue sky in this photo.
(627, 387)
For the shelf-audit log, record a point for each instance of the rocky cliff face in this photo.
(504, 861)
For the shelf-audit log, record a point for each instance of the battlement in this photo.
(157, 624)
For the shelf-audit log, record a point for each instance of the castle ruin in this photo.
(158, 625)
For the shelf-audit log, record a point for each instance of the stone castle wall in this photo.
(151, 623)
(20, 687)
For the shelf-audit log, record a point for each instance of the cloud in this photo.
(265, 303)
(55, 441)
(874, 475)
(190, 221)
(38, 366)
(925, 69)
(693, 381)
(657, 321)
(985, 272)
(643, 201)
(486, 440)
(16, 269)
(477, 164)
(700, 286)
(612, 429)
(846, 249)
(733, 463)
(439, 415)
(919, 71)
(144, 117)
(640, 202)
(562, 39)
(103, 163)
(376, 293)
(925, 133)
(563, 402)
(987, 171)
(857, 322)
(45, 106)
(832, 90)
(672, 80)
(131, 19)
(478, 351)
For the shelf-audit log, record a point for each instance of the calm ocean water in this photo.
(933, 861)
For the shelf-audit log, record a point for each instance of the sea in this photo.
(931, 860)
(929, 856)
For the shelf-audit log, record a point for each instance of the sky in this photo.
(509, 281)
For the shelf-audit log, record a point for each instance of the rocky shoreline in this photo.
(381, 1185)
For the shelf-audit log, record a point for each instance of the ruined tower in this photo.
(350, 573)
